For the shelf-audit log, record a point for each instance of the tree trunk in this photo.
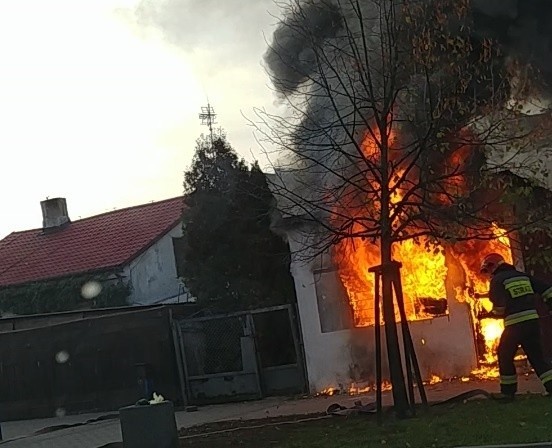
(392, 341)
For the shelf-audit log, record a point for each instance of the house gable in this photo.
(100, 243)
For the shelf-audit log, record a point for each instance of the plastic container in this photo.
(149, 426)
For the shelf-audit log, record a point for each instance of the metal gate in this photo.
(239, 356)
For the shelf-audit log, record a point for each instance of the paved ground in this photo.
(94, 435)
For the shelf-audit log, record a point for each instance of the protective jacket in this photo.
(513, 294)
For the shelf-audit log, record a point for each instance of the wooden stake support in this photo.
(413, 373)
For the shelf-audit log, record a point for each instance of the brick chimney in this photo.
(54, 213)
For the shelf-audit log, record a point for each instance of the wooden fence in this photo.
(88, 364)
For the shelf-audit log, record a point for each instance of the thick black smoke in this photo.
(520, 27)
(290, 58)
(523, 29)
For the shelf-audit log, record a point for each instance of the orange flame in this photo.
(328, 391)
(424, 270)
(435, 380)
(355, 389)
(423, 277)
(490, 329)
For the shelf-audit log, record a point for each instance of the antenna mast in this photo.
(207, 117)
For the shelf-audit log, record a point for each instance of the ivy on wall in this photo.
(63, 295)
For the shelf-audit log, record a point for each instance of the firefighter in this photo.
(513, 295)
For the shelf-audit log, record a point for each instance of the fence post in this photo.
(179, 360)
(296, 332)
(258, 371)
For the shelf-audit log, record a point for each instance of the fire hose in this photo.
(358, 408)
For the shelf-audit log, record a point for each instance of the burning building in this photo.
(358, 156)
(443, 293)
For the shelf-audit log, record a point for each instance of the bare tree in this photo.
(396, 110)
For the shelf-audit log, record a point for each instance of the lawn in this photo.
(478, 422)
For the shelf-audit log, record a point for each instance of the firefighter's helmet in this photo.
(491, 262)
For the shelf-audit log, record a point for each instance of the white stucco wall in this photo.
(153, 274)
(445, 346)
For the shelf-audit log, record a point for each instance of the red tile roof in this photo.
(101, 242)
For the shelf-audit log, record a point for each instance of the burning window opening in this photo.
(424, 276)
(424, 291)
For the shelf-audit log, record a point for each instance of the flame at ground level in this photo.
(434, 379)
(355, 389)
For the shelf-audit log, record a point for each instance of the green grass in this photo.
(529, 419)
(480, 422)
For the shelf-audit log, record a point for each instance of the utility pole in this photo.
(207, 117)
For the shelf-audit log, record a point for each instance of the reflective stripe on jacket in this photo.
(513, 290)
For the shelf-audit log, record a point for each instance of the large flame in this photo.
(423, 276)
(423, 273)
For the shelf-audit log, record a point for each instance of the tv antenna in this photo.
(207, 117)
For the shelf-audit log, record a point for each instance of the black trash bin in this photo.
(149, 426)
